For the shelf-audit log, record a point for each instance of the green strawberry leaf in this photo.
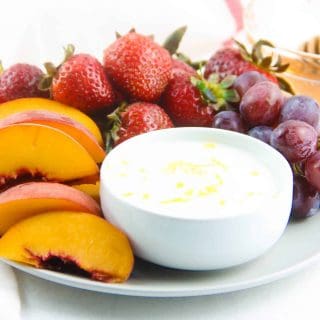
(263, 42)
(197, 65)
(243, 50)
(228, 81)
(45, 83)
(266, 62)
(216, 93)
(285, 85)
(68, 52)
(209, 95)
(184, 58)
(200, 84)
(173, 41)
(113, 126)
(282, 67)
(214, 78)
(50, 68)
(231, 95)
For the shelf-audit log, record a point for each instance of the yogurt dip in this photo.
(197, 198)
(188, 178)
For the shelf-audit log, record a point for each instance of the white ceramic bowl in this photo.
(197, 242)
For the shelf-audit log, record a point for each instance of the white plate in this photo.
(297, 248)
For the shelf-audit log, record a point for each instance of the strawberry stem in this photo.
(271, 64)
(113, 126)
(214, 92)
(68, 52)
(46, 80)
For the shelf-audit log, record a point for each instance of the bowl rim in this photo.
(276, 156)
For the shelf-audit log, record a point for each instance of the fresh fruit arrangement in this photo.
(57, 127)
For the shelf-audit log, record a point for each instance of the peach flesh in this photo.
(75, 129)
(64, 239)
(29, 199)
(36, 150)
(25, 104)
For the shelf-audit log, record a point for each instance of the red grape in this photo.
(246, 80)
(229, 120)
(301, 108)
(305, 198)
(261, 104)
(312, 170)
(262, 133)
(295, 139)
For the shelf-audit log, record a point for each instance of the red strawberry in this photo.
(20, 81)
(184, 103)
(138, 66)
(81, 82)
(180, 65)
(235, 61)
(134, 119)
(193, 101)
(230, 61)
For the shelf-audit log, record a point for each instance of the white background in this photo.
(35, 31)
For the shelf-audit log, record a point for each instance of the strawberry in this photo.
(230, 61)
(79, 81)
(190, 100)
(235, 61)
(137, 118)
(20, 81)
(82, 83)
(138, 66)
(180, 65)
(184, 103)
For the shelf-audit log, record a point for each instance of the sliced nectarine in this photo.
(92, 189)
(75, 129)
(44, 151)
(70, 241)
(28, 199)
(25, 104)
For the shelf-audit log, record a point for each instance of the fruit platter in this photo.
(90, 196)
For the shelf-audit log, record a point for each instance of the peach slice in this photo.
(25, 104)
(73, 242)
(39, 150)
(75, 129)
(29, 199)
(87, 180)
(93, 190)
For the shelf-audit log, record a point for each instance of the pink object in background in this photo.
(236, 9)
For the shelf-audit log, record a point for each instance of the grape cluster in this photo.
(289, 124)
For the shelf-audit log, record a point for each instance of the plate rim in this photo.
(138, 291)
